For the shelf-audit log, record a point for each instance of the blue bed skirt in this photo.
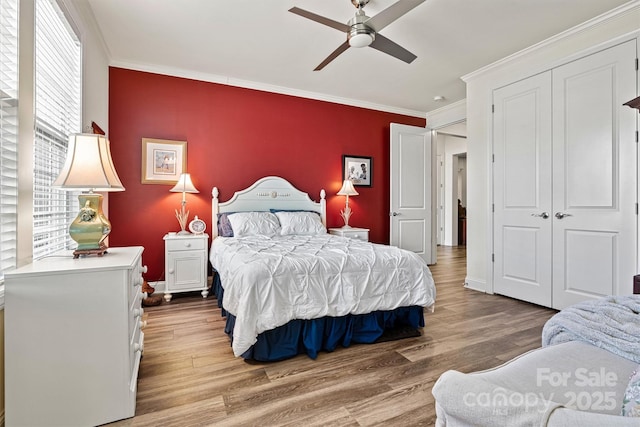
(324, 334)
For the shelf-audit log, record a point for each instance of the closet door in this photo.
(594, 176)
(522, 190)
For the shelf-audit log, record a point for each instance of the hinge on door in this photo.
(493, 258)
(636, 64)
(493, 108)
(493, 158)
(636, 208)
(493, 207)
(636, 137)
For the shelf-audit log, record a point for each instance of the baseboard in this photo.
(475, 284)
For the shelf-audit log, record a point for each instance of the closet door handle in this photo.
(561, 215)
(543, 215)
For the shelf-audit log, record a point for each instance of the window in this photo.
(8, 133)
(58, 86)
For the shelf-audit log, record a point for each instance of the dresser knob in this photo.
(138, 312)
(143, 324)
(138, 347)
(187, 244)
(144, 268)
(145, 295)
(171, 271)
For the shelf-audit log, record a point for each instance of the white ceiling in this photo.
(260, 44)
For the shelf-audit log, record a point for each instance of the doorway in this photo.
(451, 155)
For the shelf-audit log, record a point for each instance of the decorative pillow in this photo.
(251, 223)
(631, 400)
(301, 223)
(224, 226)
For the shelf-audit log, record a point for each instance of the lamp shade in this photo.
(184, 185)
(347, 189)
(88, 165)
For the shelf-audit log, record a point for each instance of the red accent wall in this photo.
(234, 137)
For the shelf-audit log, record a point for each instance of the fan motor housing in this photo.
(360, 34)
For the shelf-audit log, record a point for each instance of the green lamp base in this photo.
(91, 227)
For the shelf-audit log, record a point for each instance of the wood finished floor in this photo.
(189, 377)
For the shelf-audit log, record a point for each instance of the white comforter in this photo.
(269, 281)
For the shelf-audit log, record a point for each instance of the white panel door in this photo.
(522, 190)
(594, 184)
(412, 194)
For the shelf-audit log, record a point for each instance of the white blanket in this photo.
(269, 281)
(611, 323)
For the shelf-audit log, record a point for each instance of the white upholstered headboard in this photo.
(270, 192)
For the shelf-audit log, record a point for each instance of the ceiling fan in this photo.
(363, 31)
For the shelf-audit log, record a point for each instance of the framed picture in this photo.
(163, 160)
(358, 169)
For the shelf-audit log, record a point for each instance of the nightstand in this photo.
(185, 264)
(352, 233)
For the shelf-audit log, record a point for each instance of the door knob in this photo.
(394, 214)
(561, 215)
(543, 215)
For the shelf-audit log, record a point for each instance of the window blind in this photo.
(8, 134)
(58, 86)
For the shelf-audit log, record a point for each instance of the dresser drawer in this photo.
(136, 346)
(135, 281)
(185, 244)
(135, 314)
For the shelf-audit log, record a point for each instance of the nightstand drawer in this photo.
(186, 244)
(351, 233)
(360, 235)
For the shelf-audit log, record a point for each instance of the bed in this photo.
(287, 287)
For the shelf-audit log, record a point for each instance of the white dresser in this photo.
(185, 264)
(73, 339)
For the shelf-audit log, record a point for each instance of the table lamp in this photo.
(347, 190)
(89, 167)
(184, 185)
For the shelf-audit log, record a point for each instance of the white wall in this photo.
(95, 88)
(620, 24)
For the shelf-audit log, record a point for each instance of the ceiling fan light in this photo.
(360, 38)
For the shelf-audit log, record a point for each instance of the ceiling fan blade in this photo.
(385, 45)
(390, 14)
(321, 19)
(344, 46)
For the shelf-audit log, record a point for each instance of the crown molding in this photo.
(247, 84)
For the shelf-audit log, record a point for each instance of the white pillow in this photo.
(251, 223)
(301, 223)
